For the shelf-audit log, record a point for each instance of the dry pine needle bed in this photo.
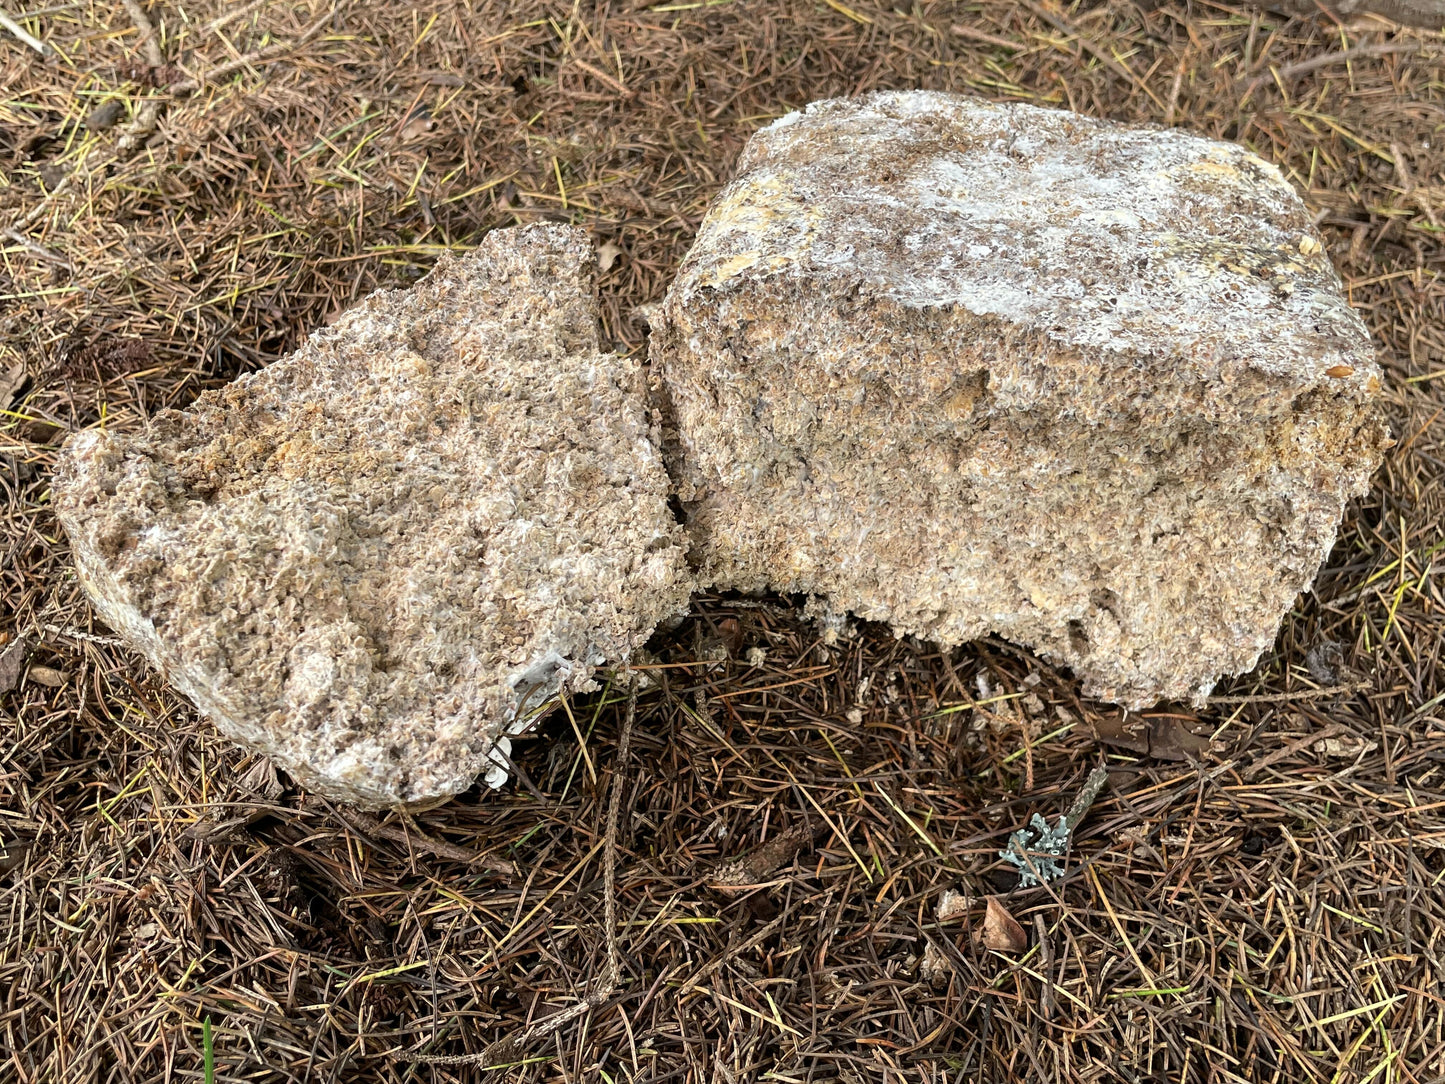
(809, 828)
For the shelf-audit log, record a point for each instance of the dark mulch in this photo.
(1264, 906)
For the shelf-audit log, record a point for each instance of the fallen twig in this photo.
(1358, 52)
(1098, 52)
(1287, 698)
(415, 838)
(971, 34)
(230, 16)
(34, 248)
(80, 634)
(732, 953)
(1287, 751)
(148, 43)
(26, 38)
(140, 126)
(196, 82)
(507, 1048)
(148, 115)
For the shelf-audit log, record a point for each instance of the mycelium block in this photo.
(376, 558)
(971, 368)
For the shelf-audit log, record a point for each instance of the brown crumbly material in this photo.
(968, 368)
(375, 558)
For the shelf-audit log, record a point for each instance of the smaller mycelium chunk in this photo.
(377, 558)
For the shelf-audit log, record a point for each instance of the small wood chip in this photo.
(762, 862)
(952, 905)
(607, 254)
(12, 660)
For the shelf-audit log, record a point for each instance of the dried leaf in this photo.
(10, 381)
(12, 854)
(261, 779)
(44, 675)
(418, 124)
(1173, 738)
(1164, 737)
(732, 634)
(105, 116)
(12, 660)
(1123, 730)
(1326, 660)
(1000, 931)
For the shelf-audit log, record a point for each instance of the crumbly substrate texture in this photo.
(375, 558)
(967, 368)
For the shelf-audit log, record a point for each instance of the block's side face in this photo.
(1149, 557)
(1145, 516)
(378, 553)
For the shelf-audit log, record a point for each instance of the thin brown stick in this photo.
(140, 126)
(733, 953)
(1358, 52)
(35, 249)
(509, 1047)
(229, 17)
(1098, 52)
(271, 52)
(971, 34)
(413, 837)
(148, 43)
(148, 115)
(1287, 751)
(1289, 698)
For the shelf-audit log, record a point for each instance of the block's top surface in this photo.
(375, 556)
(1144, 241)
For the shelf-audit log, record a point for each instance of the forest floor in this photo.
(1254, 896)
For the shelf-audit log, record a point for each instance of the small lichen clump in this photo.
(1038, 850)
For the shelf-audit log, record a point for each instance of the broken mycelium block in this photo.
(968, 368)
(376, 558)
